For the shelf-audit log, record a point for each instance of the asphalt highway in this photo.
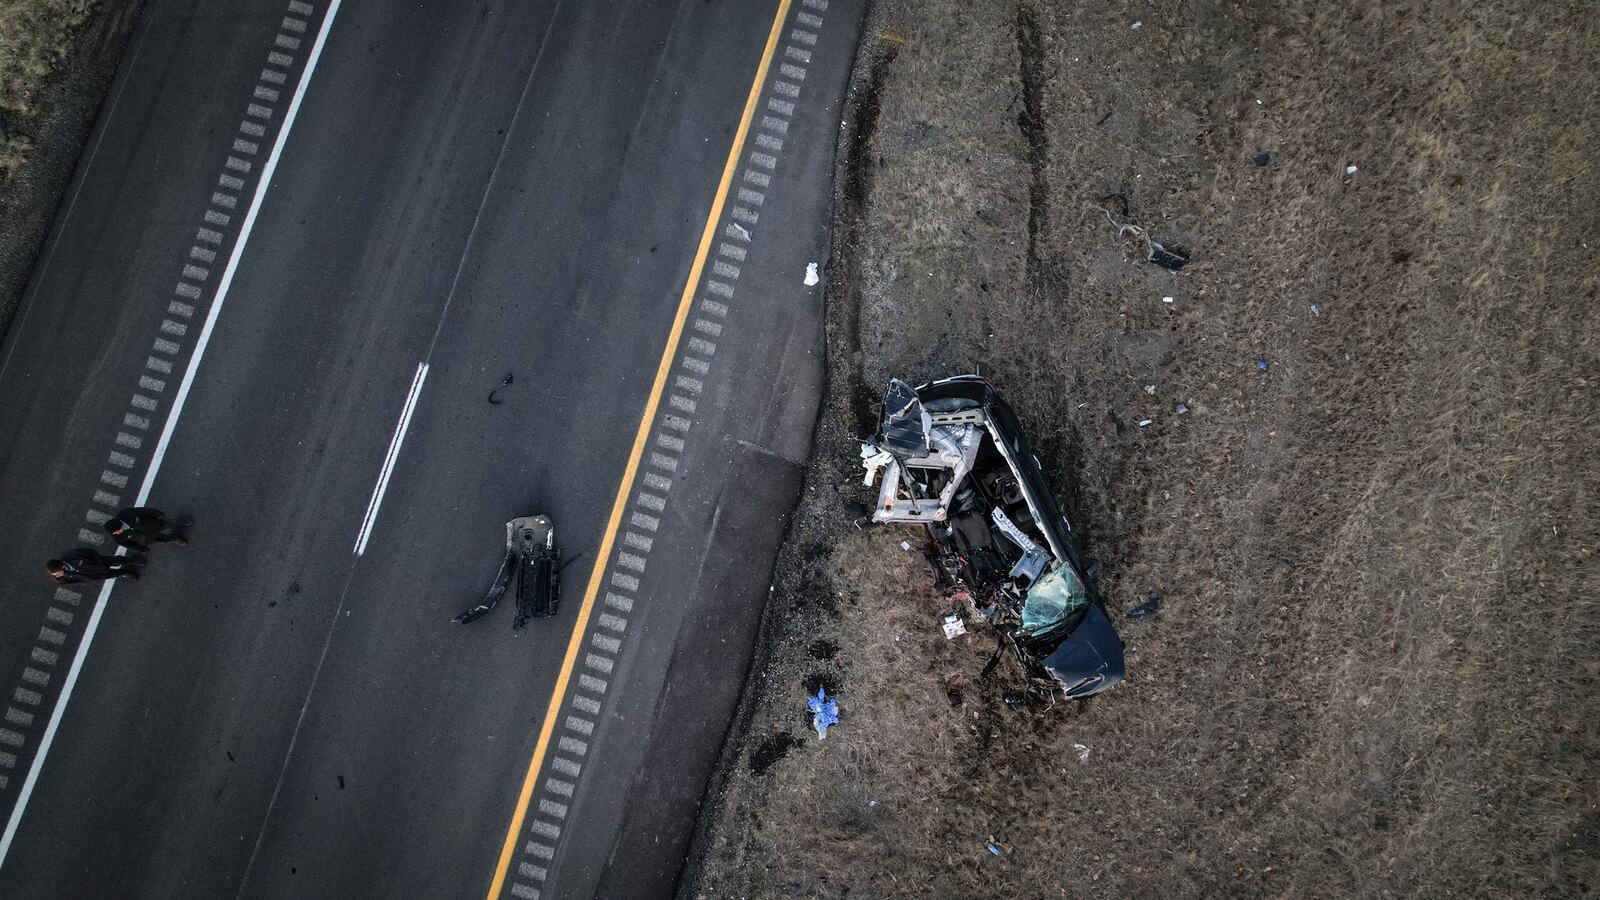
(517, 258)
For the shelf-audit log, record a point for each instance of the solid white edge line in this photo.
(390, 457)
(172, 422)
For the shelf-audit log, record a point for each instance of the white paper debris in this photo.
(811, 274)
(1166, 299)
(1351, 170)
(954, 627)
(1144, 422)
(1083, 752)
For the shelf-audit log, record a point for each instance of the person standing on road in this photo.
(84, 564)
(137, 527)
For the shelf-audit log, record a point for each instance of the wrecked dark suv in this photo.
(952, 457)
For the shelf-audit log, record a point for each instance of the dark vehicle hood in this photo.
(1090, 659)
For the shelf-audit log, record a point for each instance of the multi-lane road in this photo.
(306, 242)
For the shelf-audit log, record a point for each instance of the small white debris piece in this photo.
(811, 274)
(1150, 389)
(1351, 170)
(1144, 422)
(873, 459)
(954, 627)
(1181, 408)
(905, 545)
(1136, 26)
(1166, 299)
(1083, 752)
(743, 231)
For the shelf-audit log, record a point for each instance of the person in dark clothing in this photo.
(137, 527)
(84, 564)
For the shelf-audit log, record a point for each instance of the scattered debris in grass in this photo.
(1146, 609)
(1168, 257)
(1365, 558)
(824, 712)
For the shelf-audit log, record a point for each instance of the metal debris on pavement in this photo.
(532, 555)
(504, 383)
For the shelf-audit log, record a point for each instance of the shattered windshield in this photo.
(1051, 600)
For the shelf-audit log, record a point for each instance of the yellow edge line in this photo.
(668, 355)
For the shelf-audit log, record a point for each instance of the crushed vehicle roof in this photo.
(951, 455)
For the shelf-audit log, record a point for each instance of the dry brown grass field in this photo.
(34, 39)
(1375, 669)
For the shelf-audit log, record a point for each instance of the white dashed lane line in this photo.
(391, 458)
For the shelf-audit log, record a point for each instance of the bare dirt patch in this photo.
(1372, 525)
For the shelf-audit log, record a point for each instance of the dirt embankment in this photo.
(57, 62)
(1372, 524)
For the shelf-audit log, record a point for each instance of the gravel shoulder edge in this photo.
(842, 390)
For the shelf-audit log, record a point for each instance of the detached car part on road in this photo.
(952, 457)
(532, 556)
